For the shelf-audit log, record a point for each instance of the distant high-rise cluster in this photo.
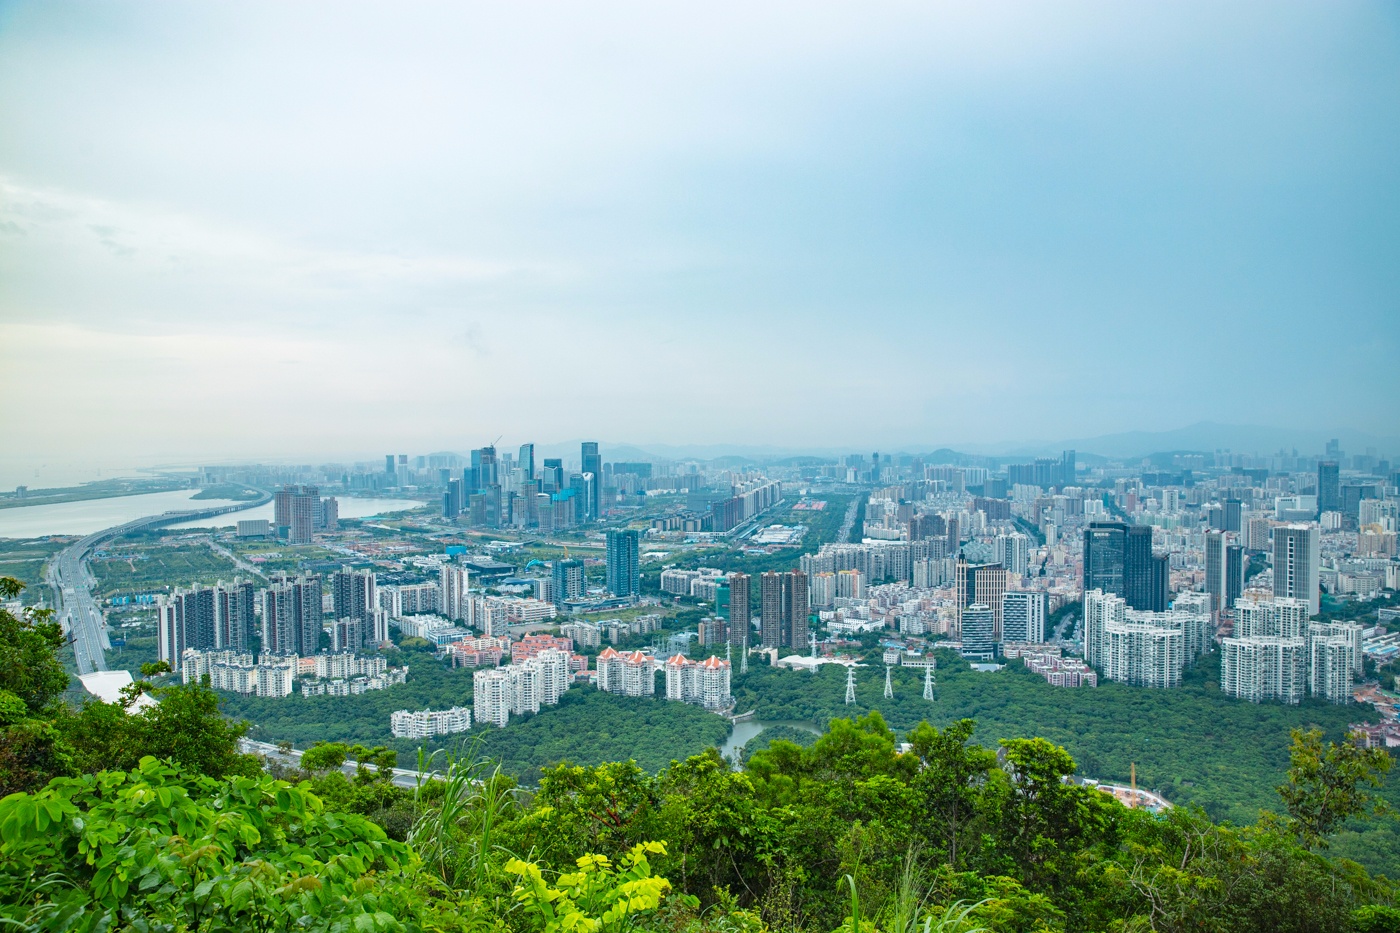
(1277, 654)
(1146, 649)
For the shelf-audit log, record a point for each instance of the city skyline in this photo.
(251, 235)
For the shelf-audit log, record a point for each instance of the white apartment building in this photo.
(516, 689)
(1149, 649)
(1264, 667)
(1296, 564)
(454, 585)
(584, 634)
(428, 723)
(821, 589)
(704, 683)
(631, 675)
(677, 582)
(1013, 552)
(1022, 616)
(1335, 655)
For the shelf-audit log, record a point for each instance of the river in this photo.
(744, 731)
(88, 516)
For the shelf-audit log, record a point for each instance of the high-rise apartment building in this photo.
(1013, 552)
(1144, 648)
(795, 609)
(292, 620)
(454, 587)
(770, 609)
(623, 563)
(705, 683)
(740, 610)
(355, 610)
(237, 616)
(631, 674)
(568, 580)
(1296, 564)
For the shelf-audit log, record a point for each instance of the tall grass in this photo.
(459, 809)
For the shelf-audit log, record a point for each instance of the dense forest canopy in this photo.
(133, 818)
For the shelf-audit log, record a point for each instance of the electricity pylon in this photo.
(928, 683)
(889, 687)
(850, 685)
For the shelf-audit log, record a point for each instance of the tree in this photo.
(29, 645)
(155, 848)
(1327, 785)
(950, 785)
(1043, 821)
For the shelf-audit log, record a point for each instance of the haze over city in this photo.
(262, 231)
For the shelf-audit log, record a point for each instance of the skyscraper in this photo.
(1329, 487)
(623, 560)
(552, 476)
(1215, 569)
(592, 463)
(770, 610)
(740, 611)
(1105, 554)
(980, 584)
(527, 463)
(1296, 564)
(1118, 559)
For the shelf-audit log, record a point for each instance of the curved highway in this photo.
(71, 582)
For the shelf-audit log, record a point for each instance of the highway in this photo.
(71, 582)
(402, 777)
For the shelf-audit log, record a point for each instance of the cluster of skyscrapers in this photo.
(285, 618)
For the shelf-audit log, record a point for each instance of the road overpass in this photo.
(71, 581)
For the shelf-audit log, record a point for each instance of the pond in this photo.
(744, 731)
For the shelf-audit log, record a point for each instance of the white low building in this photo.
(428, 723)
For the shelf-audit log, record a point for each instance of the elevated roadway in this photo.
(71, 581)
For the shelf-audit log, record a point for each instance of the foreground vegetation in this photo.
(120, 817)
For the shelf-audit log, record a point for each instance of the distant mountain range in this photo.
(1203, 437)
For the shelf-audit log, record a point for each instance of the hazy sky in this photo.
(324, 230)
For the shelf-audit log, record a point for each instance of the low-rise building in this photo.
(428, 723)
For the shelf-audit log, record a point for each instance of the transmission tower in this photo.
(744, 657)
(889, 687)
(850, 685)
(813, 639)
(928, 683)
(728, 654)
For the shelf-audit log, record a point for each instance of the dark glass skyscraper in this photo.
(1118, 559)
(1329, 487)
(1105, 554)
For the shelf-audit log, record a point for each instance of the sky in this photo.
(247, 230)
